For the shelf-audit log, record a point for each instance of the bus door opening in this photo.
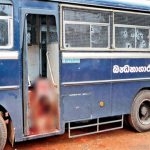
(42, 63)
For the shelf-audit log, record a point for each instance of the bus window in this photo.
(6, 36)
(85, 28)
(131, 30)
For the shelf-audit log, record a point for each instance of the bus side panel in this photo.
(116, 95)
(82, 101)
(10, 97)
(10, 100)
(123, 93)
(80, 70)
(77, 103)
(9, 72)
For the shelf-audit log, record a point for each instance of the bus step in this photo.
(88, 127)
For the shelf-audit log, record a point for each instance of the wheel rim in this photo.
(3, 133)
(144, 112)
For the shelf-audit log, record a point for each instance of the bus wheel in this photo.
(139, 118)
(3, 133)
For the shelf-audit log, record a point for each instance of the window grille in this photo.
(85, 28)
(132, 30)
(90, 29)
(6, 26)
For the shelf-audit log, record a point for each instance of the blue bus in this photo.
(80, 63)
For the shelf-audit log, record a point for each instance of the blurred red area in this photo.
(43, 114)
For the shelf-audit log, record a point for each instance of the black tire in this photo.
(139, 118)
(3, 133)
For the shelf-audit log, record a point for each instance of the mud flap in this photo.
(11, 133)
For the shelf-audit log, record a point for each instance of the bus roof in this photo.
(141, 5)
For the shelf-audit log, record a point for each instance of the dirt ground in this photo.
(124, 139)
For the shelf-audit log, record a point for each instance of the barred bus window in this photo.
(84, 28)
(3, 32)
(5, 10)
(131, 30)
(6, 36)
(86, 15)
(52, 34)
(99, 36)
(125, 37)
(142, 38)
(77, 35)
(32, 37)
(131, 19)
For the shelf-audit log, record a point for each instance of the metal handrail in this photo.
(50, 69)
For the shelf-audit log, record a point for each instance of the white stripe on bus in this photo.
(13, 55)
(104, 81)
(9, 87)
(104, 55)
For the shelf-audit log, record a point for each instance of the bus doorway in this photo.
(42, 94)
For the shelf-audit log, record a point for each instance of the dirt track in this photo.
(124, 139)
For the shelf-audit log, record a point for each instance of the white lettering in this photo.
(130, 69)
